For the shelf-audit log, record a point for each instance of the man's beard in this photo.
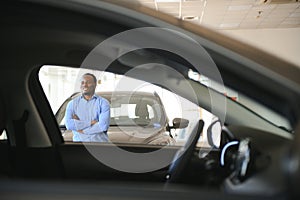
(88, 93)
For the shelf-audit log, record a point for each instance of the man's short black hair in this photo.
(92, 75)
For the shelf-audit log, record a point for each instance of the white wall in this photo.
(284, 43)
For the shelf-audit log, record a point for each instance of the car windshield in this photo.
(135, 109)
(252, 105)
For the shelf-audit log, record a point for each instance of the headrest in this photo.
(141, 111)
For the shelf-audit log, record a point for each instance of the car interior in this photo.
(255, 159)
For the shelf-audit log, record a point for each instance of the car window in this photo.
(149, 109)
(3, 135)
(124, 111)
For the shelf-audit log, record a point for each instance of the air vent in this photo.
(190, 18)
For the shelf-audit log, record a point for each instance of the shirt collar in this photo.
(93, 97)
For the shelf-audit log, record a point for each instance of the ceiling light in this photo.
(229, 25)
(239, 7)
(164, 1)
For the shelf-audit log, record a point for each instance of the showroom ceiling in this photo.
(232, 14)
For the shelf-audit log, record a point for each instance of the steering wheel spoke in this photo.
(184, 154)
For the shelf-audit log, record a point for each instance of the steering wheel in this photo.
(184, 154)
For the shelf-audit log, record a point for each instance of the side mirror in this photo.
(214, 134)
(62, 127)
(180, 123)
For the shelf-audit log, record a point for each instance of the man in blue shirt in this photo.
(88, 115)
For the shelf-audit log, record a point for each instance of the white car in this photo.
(136, 117)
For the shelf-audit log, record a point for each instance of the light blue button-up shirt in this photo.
(97, 108)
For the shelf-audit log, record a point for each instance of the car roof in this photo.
(62, 40)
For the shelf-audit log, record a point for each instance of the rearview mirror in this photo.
(214, 134)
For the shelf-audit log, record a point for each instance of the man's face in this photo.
(87, 85)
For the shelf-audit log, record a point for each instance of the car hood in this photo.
(134, 134)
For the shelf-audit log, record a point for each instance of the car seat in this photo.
(141, 111)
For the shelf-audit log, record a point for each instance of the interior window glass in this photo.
(3, 135)
(150, 107)
(251, 104)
